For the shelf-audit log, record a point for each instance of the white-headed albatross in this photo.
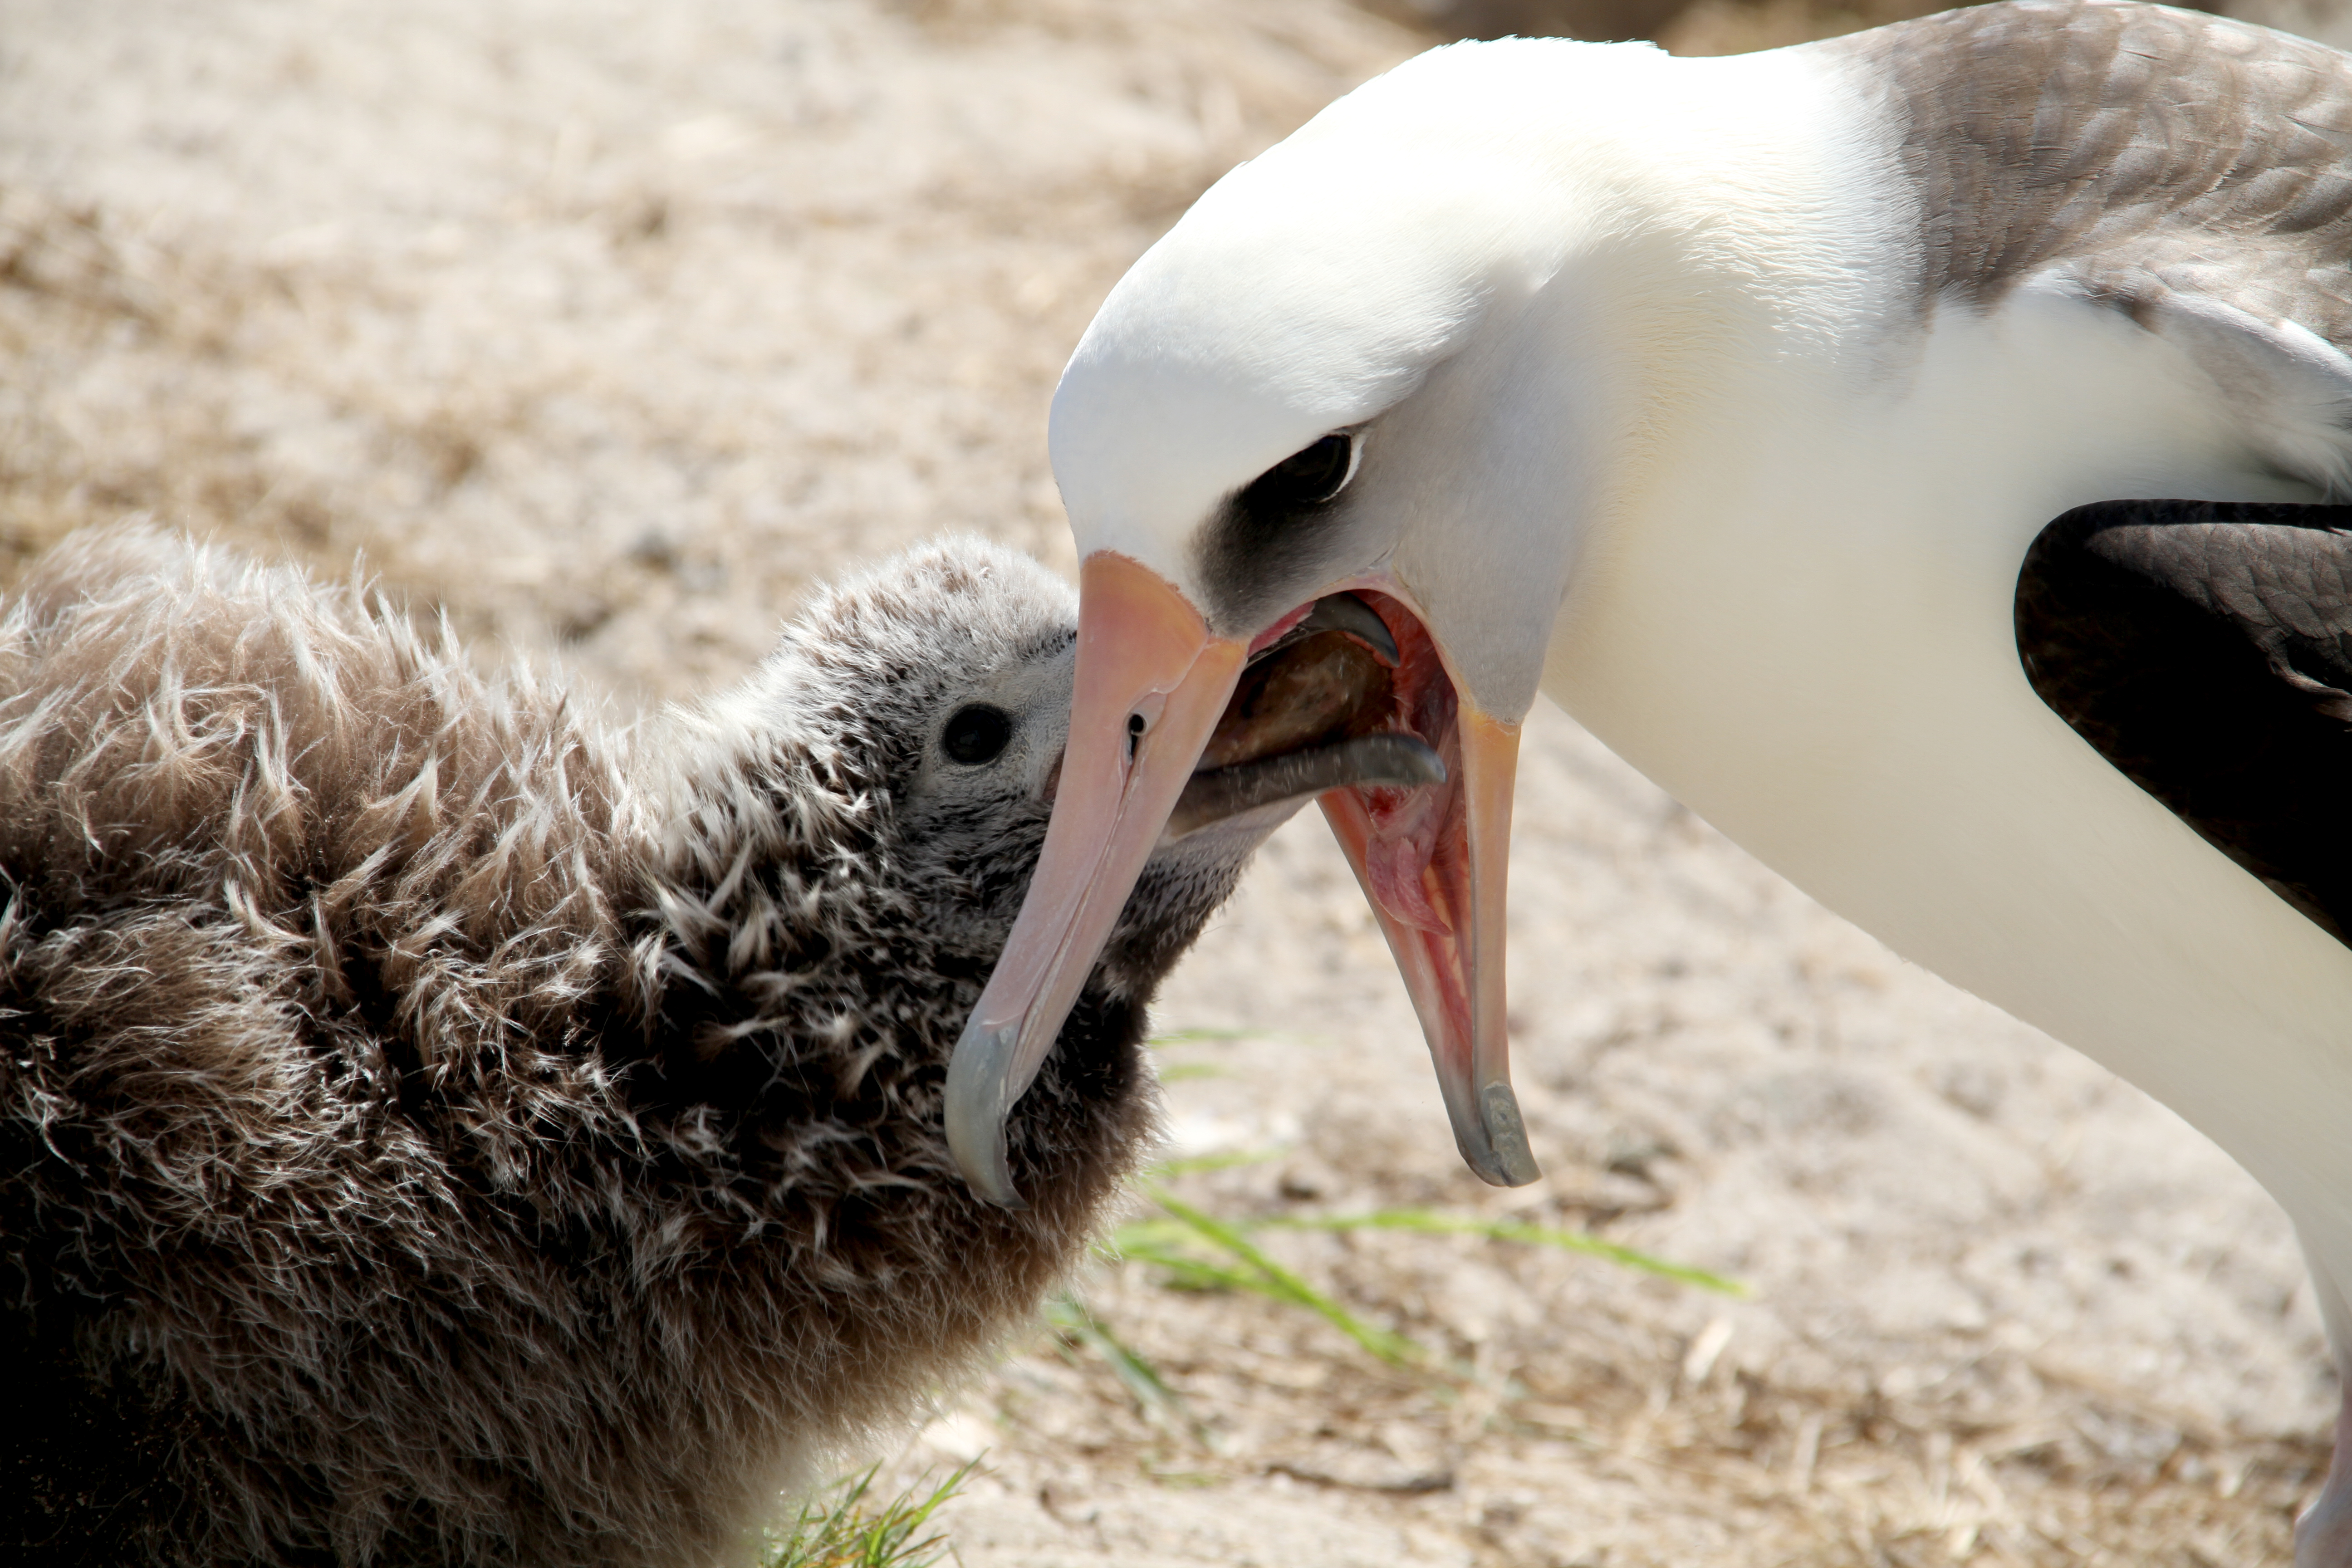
(1731, 402)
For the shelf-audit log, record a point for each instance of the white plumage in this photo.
(1723, 401)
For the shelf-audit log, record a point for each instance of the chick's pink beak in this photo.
(1152, 683)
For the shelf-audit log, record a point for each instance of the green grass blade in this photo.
(1226, 1037)
(839, 1533)
(1197, 1037)
(1187, 1272)
(1149, 1235)
(1141, 1380)
(1271, 1278)
(1428, 1223)
(1229, 1160)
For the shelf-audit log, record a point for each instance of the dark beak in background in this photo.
(1308, 717)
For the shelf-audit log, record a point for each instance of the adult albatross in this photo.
(1732, 403)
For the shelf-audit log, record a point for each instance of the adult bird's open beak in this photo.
(1438, 888)
(1151, 682)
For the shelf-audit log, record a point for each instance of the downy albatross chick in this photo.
(438, 1128)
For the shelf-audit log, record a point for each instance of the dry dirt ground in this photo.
(604, 327)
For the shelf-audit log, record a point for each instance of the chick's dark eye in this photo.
(976, 733)
(1307, 477)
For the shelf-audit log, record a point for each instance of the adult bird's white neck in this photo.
(1795, 612)
(1700, 248)
(1515, 268)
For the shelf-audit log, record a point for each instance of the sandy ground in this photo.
(605, 327)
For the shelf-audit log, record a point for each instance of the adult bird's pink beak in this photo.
(1438, 888)
(1432, 854)
(1151, 682)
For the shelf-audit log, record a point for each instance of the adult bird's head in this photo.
(1345, 379)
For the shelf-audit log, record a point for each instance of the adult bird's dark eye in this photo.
(975, 734)
(1307, 477)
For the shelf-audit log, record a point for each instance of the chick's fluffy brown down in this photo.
(438, 1127)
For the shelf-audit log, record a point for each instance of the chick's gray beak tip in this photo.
(978, 1098)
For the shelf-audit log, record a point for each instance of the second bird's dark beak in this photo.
(1309, 715)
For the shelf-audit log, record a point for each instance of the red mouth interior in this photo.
(1387, 690)
(1338, 683)
(1411, 847)
(1417, 850)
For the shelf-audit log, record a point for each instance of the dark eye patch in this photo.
(1308, 476)
(1275, 541)
(976, 733)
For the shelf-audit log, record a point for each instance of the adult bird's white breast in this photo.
(1801, 624)
(1823, 661)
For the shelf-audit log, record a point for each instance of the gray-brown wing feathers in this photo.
(2192, 172)
(2125, 141)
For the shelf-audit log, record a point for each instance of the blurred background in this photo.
(606, 329)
